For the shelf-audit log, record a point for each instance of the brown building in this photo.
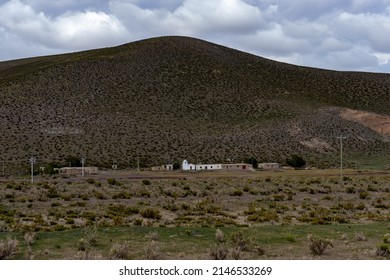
(236, 166)
(78, 170)
(269, 166)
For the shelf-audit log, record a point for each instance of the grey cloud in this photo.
(68, 31)
(333, 34)
(197, 18)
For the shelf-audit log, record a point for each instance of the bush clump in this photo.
(120, 251)
(219, 252)
(8, 248)
(151, 213)
(383, 250)
(318, 244)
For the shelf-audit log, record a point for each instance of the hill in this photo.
(169, 98)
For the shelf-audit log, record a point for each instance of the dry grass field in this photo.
(308, 214)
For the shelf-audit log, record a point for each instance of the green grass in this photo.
(195, 242)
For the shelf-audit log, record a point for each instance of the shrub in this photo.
(122, 195)
(363, 195)
(151, 213)
(361, 206)
(236, 193)
(60, 228)
(99, 195)
(383, 250)
(30, 237)
(138, 222)
(8, 248)
(318, 244)
(360, 236)
(235, 253)
(113, 182)
(386, 238)
(145, 182)
(219, 252)
(351, 190)
(240, 241)
(219, 236)
(82, 245)
(296, 161)
(290, 237)
(120, 251)
(152, 251)
(90, 181)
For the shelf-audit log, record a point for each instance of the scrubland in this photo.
(191, 216)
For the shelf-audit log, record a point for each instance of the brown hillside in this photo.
(170, 98)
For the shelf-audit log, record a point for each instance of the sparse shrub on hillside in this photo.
(150, 213)
(351, 189)
(363, 195)
(236, 193)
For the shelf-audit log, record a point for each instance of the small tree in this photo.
(296, 161)
(73, 161)
(252, 161)
(176, 166)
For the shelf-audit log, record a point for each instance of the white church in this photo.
(186, 166)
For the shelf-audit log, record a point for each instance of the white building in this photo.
(189, 166)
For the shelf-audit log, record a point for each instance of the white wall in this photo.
(189, 166)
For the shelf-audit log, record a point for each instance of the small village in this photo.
(185, 166)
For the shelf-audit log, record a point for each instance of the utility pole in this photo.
(82, 166)
(32, 161)
(114, 166)
(341, 137)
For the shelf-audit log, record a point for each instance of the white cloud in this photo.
(344, 35)
(369, 29)
(69, 31)
(193, 17)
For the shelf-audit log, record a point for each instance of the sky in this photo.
(352, 35)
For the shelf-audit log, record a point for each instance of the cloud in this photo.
(333, 34)
(68, 31)
(368, 28)
(194, 18)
